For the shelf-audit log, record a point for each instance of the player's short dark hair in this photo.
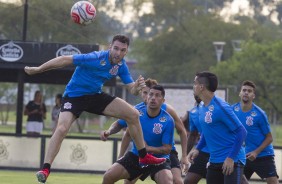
(208, 79)
(249, 83)
(59, 96)
(150, 82)
(121, 38)
(160, 88)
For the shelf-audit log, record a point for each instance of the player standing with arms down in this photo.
(259, 150)
(222, 132)
(84, 93)
(198, 169)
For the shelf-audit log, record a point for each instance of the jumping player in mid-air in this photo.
(84, 93)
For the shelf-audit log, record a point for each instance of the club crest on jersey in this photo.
(208, 117)
(67, 105)
(162, 119)
(236, 108)
(253, 113)
(157, 128)
(103, 63)
(249, 121)
(114, 70)
(211, 108)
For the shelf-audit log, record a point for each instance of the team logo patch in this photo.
(208, 117)
(67, 105)
(4, 154)
(193, 110)
(253, 113)
(103, 63)
(157, 128)
(114, 70)
(120, 63)
(162, 119)
(78, 155)
(249, 121)
(236, 108)
(211, 108)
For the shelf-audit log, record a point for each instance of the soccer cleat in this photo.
(151, 160)
(42, 175)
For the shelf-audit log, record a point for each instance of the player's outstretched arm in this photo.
(113, 129)
(181, 131)
(124, 143)
(58, 62)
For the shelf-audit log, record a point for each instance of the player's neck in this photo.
(207, 98)
(246, 106)
(153, 112)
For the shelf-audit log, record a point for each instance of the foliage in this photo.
(262, 64)
(49, 21)
(180, 48)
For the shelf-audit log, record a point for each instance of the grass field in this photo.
(16, 177)
(28, 177)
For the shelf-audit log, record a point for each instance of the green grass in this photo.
(22, 177)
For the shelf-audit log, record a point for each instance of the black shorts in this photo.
(174, 161)
(200, 164)
(215, 175)
(95, 104)
(130, 162)
(264, 167)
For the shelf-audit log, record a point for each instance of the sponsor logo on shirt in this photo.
(67, 105)
(211, 108)
(163, 119)
(208, 117)
(157, 128)
(114, 70)
(103, 63)
(253, 113)
(249, 121)
(236, 108)
(141, 113)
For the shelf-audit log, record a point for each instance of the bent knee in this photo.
(132, 116)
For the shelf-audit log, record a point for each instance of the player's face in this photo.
(117, 51)
(155, 99)
(144, 93)
(38, 97)
(247, 94)
(197, 87)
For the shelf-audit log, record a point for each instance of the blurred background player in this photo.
(176, 165)
(55, 112)
(158, 130)
(198, 169)
(259, 150)
(222, 132)
(36, 113)
(84, 93)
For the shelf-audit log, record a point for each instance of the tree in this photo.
(179, 39)
(50, 21)
(262, 64)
